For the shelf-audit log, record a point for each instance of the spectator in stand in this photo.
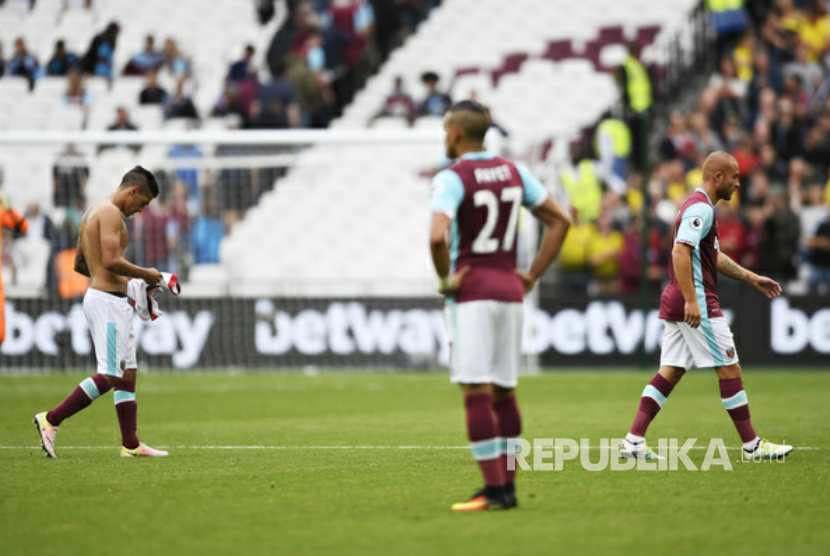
(179, 229)
(812, 211)
(436, 102)
(266, 116)
(605, 246)
(149, 59)
(814, 30)
(307, 73)
(818, 258)
(242, 69)
(180, 105)
(122, 121)
(733, 233)
(279, 92)
(809, 71)
(573, 259)
(99, 55)
(175, 66)
(152, 93)
(76, 93)
(207, 232)
(62, 61)
(228, 104)
(398, 104)
(778, 241)
(70, 174)
(23, 63)
(155, 236)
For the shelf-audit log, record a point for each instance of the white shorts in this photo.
(709, 345)
(110, 321)
(485, 342)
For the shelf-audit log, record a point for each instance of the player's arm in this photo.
(439, 248)
(681, 258)
(111, 257)
(695, 224)
(767, 286)
(80, 262)
(556, 222)
(447, 193)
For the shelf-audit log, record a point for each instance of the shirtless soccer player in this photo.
(696, 333)
(475, 213)
(101, 245)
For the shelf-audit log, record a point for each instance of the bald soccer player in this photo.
(102, 242)
(696, 333)
(475, 216)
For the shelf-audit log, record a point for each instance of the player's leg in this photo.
(509, 421)
(126, 405)
(736, 403)
(103, 325)
(508, 326)
(471, 334)
(675, 357)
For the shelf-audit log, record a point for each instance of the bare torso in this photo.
(90, 250)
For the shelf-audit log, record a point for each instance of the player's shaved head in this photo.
(471, 118)
(718, 161)
(720, 176)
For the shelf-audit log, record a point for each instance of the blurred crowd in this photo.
(768, 104)
(183, 227)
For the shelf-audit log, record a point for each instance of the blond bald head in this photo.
(720, 176)
(718, 161)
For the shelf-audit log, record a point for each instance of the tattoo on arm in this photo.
(728, 267)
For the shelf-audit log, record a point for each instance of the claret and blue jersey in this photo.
(695, 226)
(482, 194)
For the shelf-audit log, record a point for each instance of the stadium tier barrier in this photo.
(400, 333)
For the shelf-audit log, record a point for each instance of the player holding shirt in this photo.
(101, 245)
(696, 333)
(476, 204)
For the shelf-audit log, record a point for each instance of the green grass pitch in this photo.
(217, 494)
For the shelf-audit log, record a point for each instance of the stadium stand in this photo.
(548, 84)
(506, 65)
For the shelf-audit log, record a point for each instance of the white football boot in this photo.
(638, 450)
(766, 450)
(47, 434)
(143, 451)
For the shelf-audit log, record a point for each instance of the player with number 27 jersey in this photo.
(476, 205)
(483, 195)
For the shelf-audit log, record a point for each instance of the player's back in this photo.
(91, 246)
(485, 232)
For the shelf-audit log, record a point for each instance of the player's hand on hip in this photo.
(152, 276)
(452, 283)
(767, 286)
(528, 282)
(691, 314)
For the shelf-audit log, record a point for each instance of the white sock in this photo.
(634, 439)
(752, 444)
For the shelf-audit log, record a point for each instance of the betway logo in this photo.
(174, 334)
(349, 327)
(793, 330)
